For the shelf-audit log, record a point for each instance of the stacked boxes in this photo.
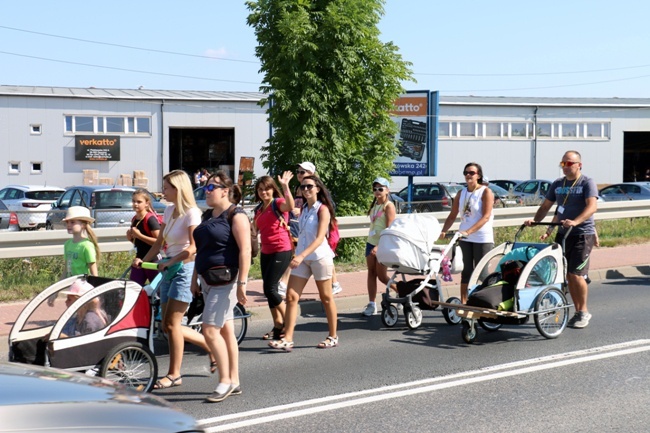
(139, 179)
(106, 181)
(91, 177)
(125, 180)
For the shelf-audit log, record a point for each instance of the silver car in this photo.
(30, 202)
(626, 191)
(40, 399)
(8, 219)
(533, 191)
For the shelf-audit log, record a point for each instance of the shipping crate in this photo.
(141, 182)
(106, 181)
(90, 181)
(139, 174)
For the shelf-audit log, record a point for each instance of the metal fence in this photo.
(50, 242)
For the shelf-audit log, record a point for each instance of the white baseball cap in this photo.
(308, 166)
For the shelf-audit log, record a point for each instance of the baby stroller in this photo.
(121, 351)
(538, 289)
(408, 248)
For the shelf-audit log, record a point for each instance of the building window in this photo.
(569, 130)
(35, 129)
(492, 129)
(518, 130)
(14, 167)
(544, 130)
(108, 125)
(466, 129)
(37, 167)
(443, 129)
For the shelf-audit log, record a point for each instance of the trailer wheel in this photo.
(132, 364)
(552, 323)
(489, 326)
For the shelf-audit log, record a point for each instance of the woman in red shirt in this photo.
(271, 221)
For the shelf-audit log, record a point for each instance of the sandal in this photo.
(213, 367)
(172, 382)
(274, 334)
(328, 343)
(281, 344)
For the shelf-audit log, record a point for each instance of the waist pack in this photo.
(219, 275)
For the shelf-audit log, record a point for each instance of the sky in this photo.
(555, 48)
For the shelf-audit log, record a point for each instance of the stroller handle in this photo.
(149, 265)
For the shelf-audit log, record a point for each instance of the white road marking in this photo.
(422, 386)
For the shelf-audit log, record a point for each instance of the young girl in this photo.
(143, 234)
(382, 214)
(313, 257)
(277, 247)
(82, 251)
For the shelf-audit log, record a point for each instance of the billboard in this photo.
(96, 148)
(411, 114)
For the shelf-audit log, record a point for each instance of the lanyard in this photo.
(570, 188)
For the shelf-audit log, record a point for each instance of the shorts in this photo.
(369, 248)
(141, 275)
(577, 250)
(178, 288)
(220, 303)
(321, 269)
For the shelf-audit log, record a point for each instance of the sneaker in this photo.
(282, 289)
(371, 310)
(579, 320)
(336, 288)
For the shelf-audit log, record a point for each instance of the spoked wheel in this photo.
(413, 317)
(489, 326)
(240, 322)
(389, 316)
(551, 323)
(132, 364)
(468, 332)
(450, 314)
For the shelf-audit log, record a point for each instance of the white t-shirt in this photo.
(176, 232)
(471, 210)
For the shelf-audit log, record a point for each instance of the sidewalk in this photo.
(606, 263)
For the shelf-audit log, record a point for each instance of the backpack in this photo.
(333, 235)
(293, 226)
(145, 222)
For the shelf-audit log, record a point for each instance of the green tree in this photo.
(330, 84)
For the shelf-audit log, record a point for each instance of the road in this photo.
(596, 379)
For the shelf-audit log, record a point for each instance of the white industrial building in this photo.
(158, 131)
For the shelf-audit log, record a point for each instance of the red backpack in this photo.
(145, 222)
(333, 235)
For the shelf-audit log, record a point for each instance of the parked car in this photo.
(30, 203)
(453, 188)
(507, 184)
(504, 198)
(8, 219)
(41, 399)
(533, 191)
(626, 191)
(199, 196)
(109, 205)
(427, 197)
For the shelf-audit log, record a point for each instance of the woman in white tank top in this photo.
(474, 203)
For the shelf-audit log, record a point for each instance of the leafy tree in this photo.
(330, 84)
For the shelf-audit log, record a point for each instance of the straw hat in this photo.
(78, 288)
(78, 213)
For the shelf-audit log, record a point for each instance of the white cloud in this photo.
(219, 53)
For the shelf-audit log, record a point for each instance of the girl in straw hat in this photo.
(82, 251)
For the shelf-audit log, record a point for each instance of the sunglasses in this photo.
(378, 189)
(212, 186)
(568, 163)
(301, 172)
(307, 186)
(469, 173)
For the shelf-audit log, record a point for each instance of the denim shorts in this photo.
(178, 288)
(369, 248)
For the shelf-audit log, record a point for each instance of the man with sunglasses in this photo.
(575, 195)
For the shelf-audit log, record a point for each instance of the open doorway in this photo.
(636, 156)
(191, 149)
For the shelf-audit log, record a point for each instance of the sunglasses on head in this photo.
(301, 172)
(378, 188)
(212, 186)
(307, 186)
(469, 173)
(568, 163)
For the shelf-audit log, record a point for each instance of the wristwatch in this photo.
(241, 283)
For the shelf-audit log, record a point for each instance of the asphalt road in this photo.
(379, 379)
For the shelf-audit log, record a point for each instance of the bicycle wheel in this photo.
(240, 322)
(550, 324)
(132, 364)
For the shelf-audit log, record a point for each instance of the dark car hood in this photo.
(34, 398)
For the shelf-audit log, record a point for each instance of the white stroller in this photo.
(408, 248)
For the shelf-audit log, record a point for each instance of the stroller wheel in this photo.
(450, 314)
(389, 316)
(414, 317)
(132, 364)
(468, 332)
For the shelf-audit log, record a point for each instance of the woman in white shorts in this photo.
(313, 257)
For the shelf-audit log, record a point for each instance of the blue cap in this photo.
(381, 181)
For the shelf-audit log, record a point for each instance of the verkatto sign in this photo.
(94, 148)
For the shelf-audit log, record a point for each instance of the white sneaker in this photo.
(282, 289)
(336, 288)
(371, 309)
